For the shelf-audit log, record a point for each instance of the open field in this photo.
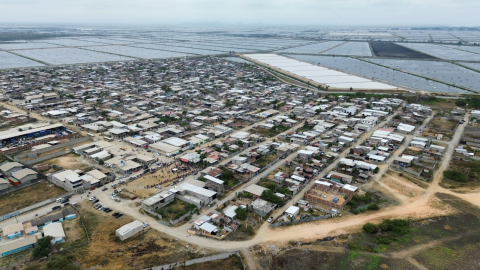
(28, 196)
(390, 49)
(441, 125)
(455, 254)
(69, 162)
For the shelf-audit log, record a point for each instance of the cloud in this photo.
(284, 12)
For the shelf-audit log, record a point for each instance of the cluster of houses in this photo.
(21, 236)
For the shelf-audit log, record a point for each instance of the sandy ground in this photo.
(401, 185)
(163, 176)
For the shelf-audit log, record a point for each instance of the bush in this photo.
(455, 175)
(370, 228)
(373, 206)
(376, 170)
(396, 225)
(241, 213)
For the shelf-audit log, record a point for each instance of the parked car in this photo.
(105, 188)
(92, 198)
(145, 225)
(96, 201)
(65, 204)
(133, 197)
(270, 219)
(56, 207)
(92, 188)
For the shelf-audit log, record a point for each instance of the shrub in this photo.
(370, 228)
(461, 102)
(373, 206)
(455, 175)
(396, 225)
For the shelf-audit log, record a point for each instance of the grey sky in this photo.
(291, 12)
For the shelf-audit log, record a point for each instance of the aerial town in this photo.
(153, 163)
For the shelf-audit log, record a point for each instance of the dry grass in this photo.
(28, 196)
(144, 250)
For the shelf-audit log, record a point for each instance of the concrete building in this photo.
(158, 200)
(129, 230)
(214, 184)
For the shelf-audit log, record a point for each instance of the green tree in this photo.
(42, 248)
(241, 213)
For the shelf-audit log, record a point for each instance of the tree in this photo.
(376, 170)
(241, 213)
(461, 103)
(370, 228)
(42, 248)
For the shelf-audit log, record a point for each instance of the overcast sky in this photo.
(285, 12)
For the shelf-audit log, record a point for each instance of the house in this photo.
(56, 231)
(292, 211)
(230, 211)
(262, 207)
(255, 190)
(129, 230)
(208, 228)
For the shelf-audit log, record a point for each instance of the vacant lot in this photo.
(175, 210)
(420, 232)
(441, 125)
(69, 162)
(455, 254)
(272, 132)
(28, 196)
(462, 174)
(389, 49)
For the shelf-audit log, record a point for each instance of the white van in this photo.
(90, 134)
(59, 200)
(108, 139)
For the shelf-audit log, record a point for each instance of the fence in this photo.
(299, 221)
(26, 147)
(21, 186)
(195, 261)
(408, 171)
(34, 206)
(53, 147)
(46, 157)
(176, 221)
